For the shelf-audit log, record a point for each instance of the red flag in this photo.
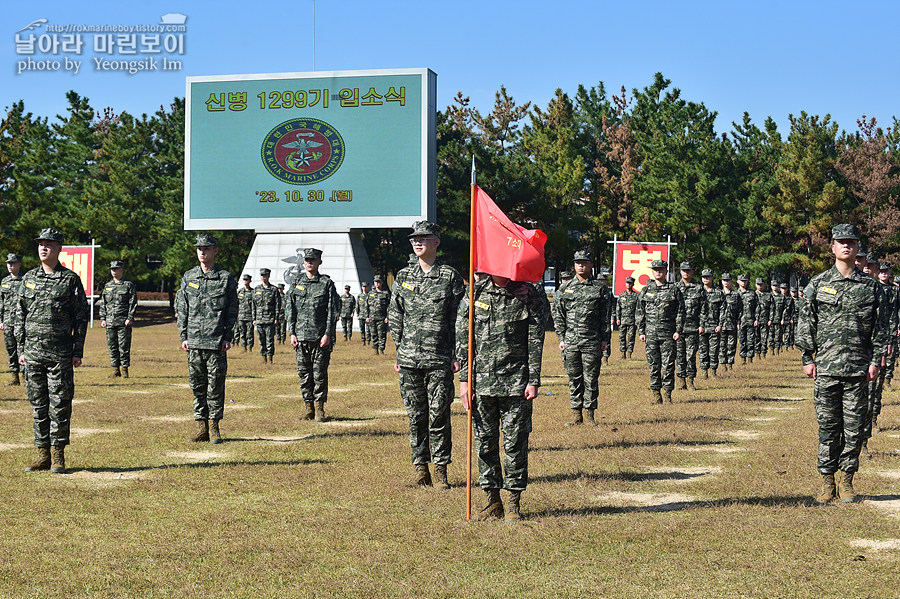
(502, 247)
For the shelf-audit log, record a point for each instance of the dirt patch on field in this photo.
(890, 506)
(166, 418)
(282, 438)
(653, 502)
(84, 432)
(393, 412)
(744, 435)
(687, 471)
(11, 446)
(197, 456)
(713, 449)
(103, 478)
(873, 545)
(135, 391)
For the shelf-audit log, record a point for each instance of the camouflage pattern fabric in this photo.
(378, 302)
(348, 308)
(244, 333)
(311, 311)
(710, 341)
(891, 293)
(118, 302)
(709, 349)
(729, 320)
(764, 315)
(747, 332)
(118, 340)
(362, 312)
(776, 331)
(427, 394)
(695, 314)
(52, 319)
(267, 304)
(626, 308)
(9, 297)
(312, 368)
(207, 369)
(281, 324)
(610, 317)
(661, 315)
(661, 357)
(509, 340)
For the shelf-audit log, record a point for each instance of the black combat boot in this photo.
(42, 462)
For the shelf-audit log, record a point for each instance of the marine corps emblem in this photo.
(303, 151)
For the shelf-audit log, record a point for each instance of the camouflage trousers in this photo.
(244, 335)
(51, 387)
(379, 333)
(775, 333)
(583, 368)
(512, 416)
(747, 336)
(118, 339)
(427, 395)
(762, 339)
(347, 326)
(207, 369)
(727, 346)
(608, 351)
(873, 406)
(627, 334)
(266, 333)
(891, 359)
(365, 332)
(12, 347)
(709, 350)
(661, 354)
(281, 328)
(686, 350)
(790, 334)
(312, 367)
(841, 409)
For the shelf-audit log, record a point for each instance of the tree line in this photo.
(586, 167)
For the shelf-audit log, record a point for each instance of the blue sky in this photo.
(768, 58)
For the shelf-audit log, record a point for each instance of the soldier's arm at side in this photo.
(132, 304)
(80, 318)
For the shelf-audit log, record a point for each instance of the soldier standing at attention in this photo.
(362, 313)
(889, 299)
(730, 320)
(842, 339)
(749, 321)
(660, 324)
(51, 323)
(694, 315)
(207, 307)
(606, 279)
(9, 298)
(626, 309)
(311, 320)
(348, 307)
(422, 317)
(787, 317)
(379, 299)
(580, 313)
(280, 324)
(266, 306)
(245, 314)
(712, 328)
(889, 286)
(776, 331)
(509, 340)
(763, 317)
(118, 301)
(795, 313)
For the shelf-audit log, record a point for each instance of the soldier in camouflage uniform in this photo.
(281, 323)
(244, 333)
(660, 324)
(795, 313)
(712, 329)
(776, 331)
(580, 314)
(51, 324)
(763, 317)
(842, 339)
(267, 304)
(694, 315)
(509, 340)
(206, 307)
(362, 314)
(9, 298)
(626, 317)
(729, 319)
(377, 306)
(118, 301)
(422, 318)
(348, 307)
(893, 334)
(606, 278)
(787, 317)
(311, 318)
(889, 299)
(749, 320)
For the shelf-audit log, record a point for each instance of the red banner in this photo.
(634, 260)
(504, 248)
(80, 258)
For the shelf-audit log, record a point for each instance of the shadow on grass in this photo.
(203, 464)
(624, 444)
(616, 476)
(753, 398)
(603, 421)
(148, 316)
(674, 506)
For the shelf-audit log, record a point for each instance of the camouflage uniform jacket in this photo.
(788, 314)
(715, 301)
(310, 309)
(764, 307)
(749, 307)
(732, 307)
(378, 304)
(348, 306)
(266, 303)
(245, 303)
(581, 314)
(362, 305)
(660, 310)
(626, 307)
(839, 327)
(422, 315)
(118, 301)
(611, 305)
(206, 307)
(694, 306)
(279, 314)
(9, 298)
(52, 314)
(508, 337)
(778, 305)
(891, 293)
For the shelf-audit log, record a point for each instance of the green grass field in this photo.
(708, 497)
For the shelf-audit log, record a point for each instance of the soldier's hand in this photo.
(226, 345)
(184, 345)
(643, 337)
(810, 370)
(454, 366)
(873, 372)
(294, 342)
(604, 346)
(700, 330)
(464, 394)
(21, 360)
(676, 336)
(756, 323)
(254, 323)
(562, 346)
(127, 323)
(76, 362)
(618, 322)
(324, 341)
(1, 326)
(718, 329)
(769, 323)
(396, 367)
(103, 323)
(530, 392)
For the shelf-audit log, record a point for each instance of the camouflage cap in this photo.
(246, 278)
(312, 254)
(872, 258)
(347, 287)
(686, 265)
(845, 231)
(265, 271)
(378, 278)
(794, 290)
(744, 277)
(863, 251)
(116, 264)
(583, 255)
(707, 272)
(364, 284)
(760, 281)
(566, 274)
(774, 283)
(13, 258)
(281, 285)
(604, 272)
(785, 286)
(629, 280)
(659, 264)
(206, 239)
(422, 228)
(726, 276)
(897, 279)
(884, 266)
(50, 235)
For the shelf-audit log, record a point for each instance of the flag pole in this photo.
(470, 365)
